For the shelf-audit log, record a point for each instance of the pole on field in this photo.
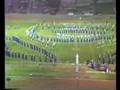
(77, 68)
(77, 57)
(77, 63)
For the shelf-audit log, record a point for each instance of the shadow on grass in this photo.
(12, 89)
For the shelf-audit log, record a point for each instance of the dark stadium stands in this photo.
(60, 6)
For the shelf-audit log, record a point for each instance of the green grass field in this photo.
(86, 52)
(20, 69)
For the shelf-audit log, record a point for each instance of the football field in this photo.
(43, 49)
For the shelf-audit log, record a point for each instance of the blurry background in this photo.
(61, 6)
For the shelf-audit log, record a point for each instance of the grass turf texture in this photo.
(86, 52)
(22, 70)
(19, 69)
